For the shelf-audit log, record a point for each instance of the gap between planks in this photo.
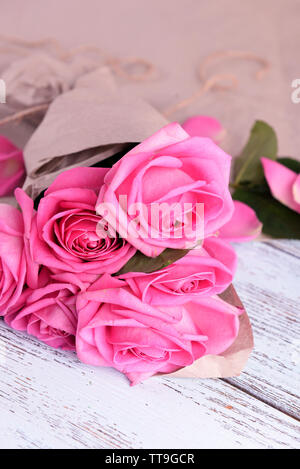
(261, 398)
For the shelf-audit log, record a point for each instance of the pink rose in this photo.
(174, 169)
(283, 182)
(48, 313)
(12, 169)
(68, 235)
(202, 272)
(117, 329)
(12, 257)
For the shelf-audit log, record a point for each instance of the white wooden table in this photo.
(50, 400)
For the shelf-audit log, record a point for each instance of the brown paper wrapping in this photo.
(231, 362)
(84, 126)
(36, 79)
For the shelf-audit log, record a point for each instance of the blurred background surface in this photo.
(175, 36)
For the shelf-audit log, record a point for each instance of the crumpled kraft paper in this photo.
(36, 79)
(84, 126)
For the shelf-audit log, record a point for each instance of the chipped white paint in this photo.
(50, 400)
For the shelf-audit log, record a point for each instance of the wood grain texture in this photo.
(50, 400)
(268, 282)
(289, 246)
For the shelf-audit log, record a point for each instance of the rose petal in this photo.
(243, 226)
(222, 251)
(204, 126)
(196, 149)
(281, 180)
(171, 133)
(11, 220)
(296, 189)
(80, 177)
(48, 313)
(213, 317)
(217, 320)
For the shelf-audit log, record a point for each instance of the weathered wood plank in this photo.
(50, 400)
(268, 282)
(289, 246)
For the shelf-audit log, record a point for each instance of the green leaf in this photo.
(290, 163)
(141, 263)
(278, 220)
(262, 142)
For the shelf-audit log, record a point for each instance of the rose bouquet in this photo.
(115, 249)
(127, 266)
